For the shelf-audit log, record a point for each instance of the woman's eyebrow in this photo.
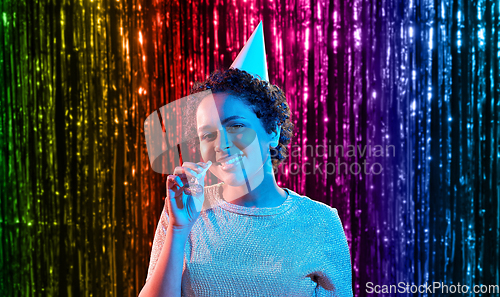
(224, 121)
(231, 118)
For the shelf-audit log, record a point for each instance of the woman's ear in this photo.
(275, 137)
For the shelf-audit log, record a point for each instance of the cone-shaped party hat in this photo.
(252, 57)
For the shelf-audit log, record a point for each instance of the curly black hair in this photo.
(267, 101)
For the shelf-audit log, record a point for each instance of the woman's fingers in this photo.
(190, 175)
(186, 174)
(179, 171)
(175, 189)
(174, 180)
(185, 194)
(198, 167)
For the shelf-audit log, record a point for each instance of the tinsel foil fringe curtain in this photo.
(79, 203)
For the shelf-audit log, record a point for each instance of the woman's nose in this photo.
(223, 141)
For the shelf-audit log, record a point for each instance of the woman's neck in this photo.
(263, 192)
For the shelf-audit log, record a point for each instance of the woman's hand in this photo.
(183, 209)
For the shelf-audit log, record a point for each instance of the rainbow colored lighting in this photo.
(79, 203)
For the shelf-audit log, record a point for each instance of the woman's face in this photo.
(230, 133)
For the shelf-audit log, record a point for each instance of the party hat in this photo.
(252, 57)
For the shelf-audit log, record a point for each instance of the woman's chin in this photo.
(236, 180)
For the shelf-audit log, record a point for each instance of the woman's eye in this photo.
(235, 128)
(207, 136)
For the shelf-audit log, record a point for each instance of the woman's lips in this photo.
(230, 163)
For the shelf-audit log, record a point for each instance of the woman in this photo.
(252, 238)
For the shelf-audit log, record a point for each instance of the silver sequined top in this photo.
(296, 249)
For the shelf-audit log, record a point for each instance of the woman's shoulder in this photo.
(314, 208)
(312, 204)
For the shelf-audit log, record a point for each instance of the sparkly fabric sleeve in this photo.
(159, 240)
(337, 279)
